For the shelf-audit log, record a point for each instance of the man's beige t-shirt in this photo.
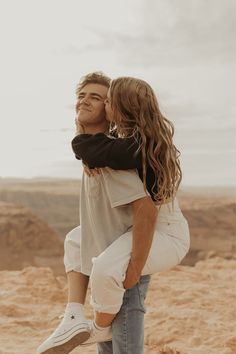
(105, 210)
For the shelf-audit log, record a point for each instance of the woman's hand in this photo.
(132, 275)
(91, 172)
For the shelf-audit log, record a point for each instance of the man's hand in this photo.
(79, 127)
(132, 275)
(91, 172)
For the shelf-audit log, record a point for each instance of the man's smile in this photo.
(84, 109)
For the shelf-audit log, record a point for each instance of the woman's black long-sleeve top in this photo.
(100, 150)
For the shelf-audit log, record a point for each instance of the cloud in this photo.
(174, 33)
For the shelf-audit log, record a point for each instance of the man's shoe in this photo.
(71, 332)
(98, 335)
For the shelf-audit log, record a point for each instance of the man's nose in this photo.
(85, 100)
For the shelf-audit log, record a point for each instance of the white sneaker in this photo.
(71, 332)
(98, 335)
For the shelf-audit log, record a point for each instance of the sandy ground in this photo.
(190, 310)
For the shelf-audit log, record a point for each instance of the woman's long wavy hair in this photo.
(136, 113)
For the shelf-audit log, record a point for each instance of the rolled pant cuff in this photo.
(112, 309)
(72, 269)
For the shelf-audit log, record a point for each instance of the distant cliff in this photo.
(55, 201)
(210, 212)
(26, 240)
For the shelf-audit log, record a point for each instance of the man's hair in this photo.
(93, 78)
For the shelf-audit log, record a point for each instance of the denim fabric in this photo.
(128, 326)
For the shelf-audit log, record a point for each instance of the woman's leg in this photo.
(77, 281)
(74, 329)
(170, 244)
(104, 319)
(77, 287)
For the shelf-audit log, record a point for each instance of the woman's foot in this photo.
(71, 332)
(98, 334)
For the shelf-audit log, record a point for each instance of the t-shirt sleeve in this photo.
(123, 187)
(100, 150)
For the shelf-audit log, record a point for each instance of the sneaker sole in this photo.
(67, 347)
(91, 343)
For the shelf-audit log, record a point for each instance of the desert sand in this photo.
(191, 309)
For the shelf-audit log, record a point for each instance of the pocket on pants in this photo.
(174, 228)
(142, 288)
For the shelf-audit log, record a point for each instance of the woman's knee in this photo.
(72, 238)
(104, 275)
(100, 271)
(72, 251)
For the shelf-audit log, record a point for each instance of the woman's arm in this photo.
(144, 221)
(99, 150)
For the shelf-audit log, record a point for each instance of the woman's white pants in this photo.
(170, 244)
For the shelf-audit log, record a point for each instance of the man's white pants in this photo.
(170, 244)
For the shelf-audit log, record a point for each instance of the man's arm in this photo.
(99, 151)
(144, 220)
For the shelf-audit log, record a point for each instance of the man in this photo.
(101, 224)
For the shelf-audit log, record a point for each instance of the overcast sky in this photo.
(184, 48)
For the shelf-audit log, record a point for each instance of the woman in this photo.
(133, 110)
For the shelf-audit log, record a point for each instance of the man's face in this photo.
(90, 108)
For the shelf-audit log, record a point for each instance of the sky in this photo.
(184, 48)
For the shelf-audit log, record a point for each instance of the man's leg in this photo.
(105, 348)
(128, 326)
